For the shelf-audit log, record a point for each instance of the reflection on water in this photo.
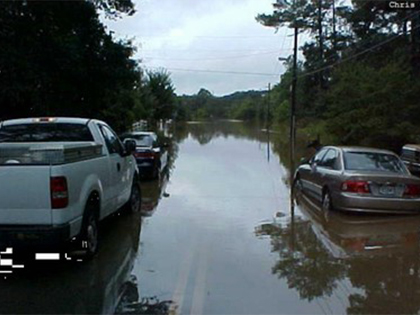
(77, 287)
(153, 191)
(370, 263)
(132, 303)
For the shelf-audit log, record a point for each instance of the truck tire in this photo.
(90, 232)
(133, 205)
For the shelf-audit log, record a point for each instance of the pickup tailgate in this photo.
(25, 195)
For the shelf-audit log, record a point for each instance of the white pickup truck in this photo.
(59, 177)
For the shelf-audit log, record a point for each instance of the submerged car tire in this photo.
(134, 203)
(90, 233)
(298, 187)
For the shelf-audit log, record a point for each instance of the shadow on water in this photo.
(102, 285)
(370, 264)
(153, 191)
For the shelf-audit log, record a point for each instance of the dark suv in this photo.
(151, 152)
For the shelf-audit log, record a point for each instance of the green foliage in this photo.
(245, 111)
(361, 80)
(159, 96)
(57, 59)
(375, 107)
(248, 105)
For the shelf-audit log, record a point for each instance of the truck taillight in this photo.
(59, 192)
(355, 186)
(148, 155)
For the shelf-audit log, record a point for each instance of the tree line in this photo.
(359, 81)
(58, 59)
(244, 105)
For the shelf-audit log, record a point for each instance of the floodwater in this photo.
(217, 235)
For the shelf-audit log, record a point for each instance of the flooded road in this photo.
(217, 237)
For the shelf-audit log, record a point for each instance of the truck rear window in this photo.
(49, 132)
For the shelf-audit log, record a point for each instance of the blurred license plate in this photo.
(387, 190)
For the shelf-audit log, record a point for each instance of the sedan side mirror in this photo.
(130, 146)
(304, 161)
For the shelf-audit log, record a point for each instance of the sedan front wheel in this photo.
(326, 201)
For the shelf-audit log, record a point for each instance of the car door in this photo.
(309, 175)
(328, 172)
(119, 166)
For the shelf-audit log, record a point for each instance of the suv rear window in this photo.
(141, 140)
(372, 161)
(49, 132)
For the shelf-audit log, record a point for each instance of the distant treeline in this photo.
(57, 58)
(249, 105)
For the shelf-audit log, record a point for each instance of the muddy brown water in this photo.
(217, 236)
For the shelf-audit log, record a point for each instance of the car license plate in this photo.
(387, 190)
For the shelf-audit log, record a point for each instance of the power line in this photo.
(214, 50)
(361, 52)
(209, 36)
(282, 45)
(355, 55)
(218, 71)
(215, 58)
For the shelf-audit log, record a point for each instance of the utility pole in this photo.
(292, 115)
(268, 122)
(267, 115)
(334, 26)
(281, 3)
(293, 101)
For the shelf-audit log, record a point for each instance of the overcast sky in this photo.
(196, 40)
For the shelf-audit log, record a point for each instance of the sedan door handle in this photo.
(118, 167)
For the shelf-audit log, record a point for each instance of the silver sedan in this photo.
(359, 179)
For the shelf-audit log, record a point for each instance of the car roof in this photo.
(141, 133)
(360, 149)
(36, 120)
(412, 146)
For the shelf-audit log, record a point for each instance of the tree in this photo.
(375, 107)
(57, 59)
(161, 95)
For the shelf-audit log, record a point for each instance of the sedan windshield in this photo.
(372, 161)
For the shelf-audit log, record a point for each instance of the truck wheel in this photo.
(90, 233)
(134, 203)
